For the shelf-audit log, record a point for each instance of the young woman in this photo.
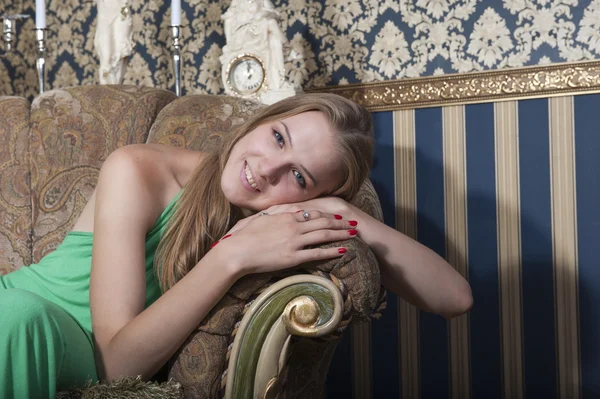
(197, 213)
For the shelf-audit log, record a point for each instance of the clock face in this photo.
(246, 75)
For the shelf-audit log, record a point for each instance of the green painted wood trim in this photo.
(261, 323)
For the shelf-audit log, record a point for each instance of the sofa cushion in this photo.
(199, 122)
(15, 196)
(73, 130)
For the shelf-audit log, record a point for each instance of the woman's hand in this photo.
(266, 243)
(331, 205)
(242, 223)
(336, 207)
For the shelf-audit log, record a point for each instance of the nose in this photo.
(271, 169)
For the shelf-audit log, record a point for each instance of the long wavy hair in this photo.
(203, 214)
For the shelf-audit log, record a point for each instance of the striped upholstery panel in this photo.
(509, 194)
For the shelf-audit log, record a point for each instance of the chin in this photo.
(241, 202)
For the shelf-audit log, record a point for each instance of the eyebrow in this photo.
(289, 137)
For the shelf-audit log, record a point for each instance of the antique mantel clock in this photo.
(252, 60)
(245, 75)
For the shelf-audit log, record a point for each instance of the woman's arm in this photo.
(413, 271)
(129, 339)
(143, 344)
(408, 268)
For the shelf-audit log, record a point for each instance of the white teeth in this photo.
(250, 178)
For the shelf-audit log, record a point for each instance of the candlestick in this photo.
(40, 35)
(9, 30)
(40, 14)
(175, 12)
(175, 29)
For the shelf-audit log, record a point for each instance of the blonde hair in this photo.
(203, 214)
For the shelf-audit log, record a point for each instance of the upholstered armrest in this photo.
(242, 348)
(319, 304)
(15, 192)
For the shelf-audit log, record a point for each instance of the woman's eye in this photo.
(279, 138)
(300, 179)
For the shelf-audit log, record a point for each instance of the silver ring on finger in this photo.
(306, 215)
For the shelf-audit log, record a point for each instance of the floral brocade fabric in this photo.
(329, 42)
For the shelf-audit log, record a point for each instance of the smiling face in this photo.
(282, 162)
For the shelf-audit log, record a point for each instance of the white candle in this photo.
(175, 12)
(40, 14)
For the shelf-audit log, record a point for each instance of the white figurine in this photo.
(251, 28)
(276, 39)
(113, 40)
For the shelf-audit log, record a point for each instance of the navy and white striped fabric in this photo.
(509, 194)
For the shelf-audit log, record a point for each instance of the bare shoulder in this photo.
(159, 168)
(143, 178)
(157, 172)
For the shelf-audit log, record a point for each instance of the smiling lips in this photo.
(249, 177)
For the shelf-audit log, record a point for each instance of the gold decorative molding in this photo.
(465, 88)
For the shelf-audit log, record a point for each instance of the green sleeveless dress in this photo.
(46, 340)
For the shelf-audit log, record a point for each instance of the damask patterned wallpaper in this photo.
(331, 42)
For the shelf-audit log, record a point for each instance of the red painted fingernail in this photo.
(338, 217)
(342, 250)
(212, 246)
(227, 236)
(353, 223)
(352, 232)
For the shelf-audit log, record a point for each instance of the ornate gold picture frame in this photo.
(467, 88)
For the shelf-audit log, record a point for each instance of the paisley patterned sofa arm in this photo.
(274, 335)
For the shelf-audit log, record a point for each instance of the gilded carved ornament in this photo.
(498, 85)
